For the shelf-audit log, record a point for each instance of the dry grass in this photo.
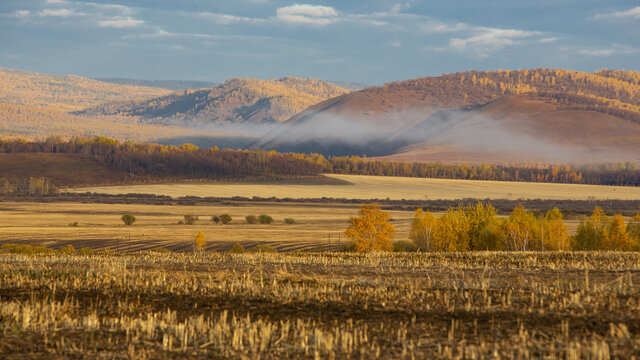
(100, 226)
(382, 187)
(323, 305)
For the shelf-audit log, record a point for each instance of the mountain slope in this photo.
(64, 92)
(173, 85)
(237, 100)
(504, 116)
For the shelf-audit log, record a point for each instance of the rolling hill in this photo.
(540, 115)
(237, 100)
(173, 85)
(65, 92)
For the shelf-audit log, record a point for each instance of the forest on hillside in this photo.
(190, 162)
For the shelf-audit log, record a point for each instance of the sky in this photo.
(364, 41)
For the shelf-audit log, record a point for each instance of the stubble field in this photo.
(99, 226)
(321, 306)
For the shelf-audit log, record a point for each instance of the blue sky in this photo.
(367, 41)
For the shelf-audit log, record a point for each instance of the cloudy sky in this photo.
(367, 41)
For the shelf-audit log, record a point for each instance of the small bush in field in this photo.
(237, 249)
(404, 246)
(68, 250)
(199, 242)
(225, 219)
(265, 219)
(188, 220)
(264, 248)
(74, 224)
(26, 249)
(128, 219)
(85, 251)
(251, 219)
(289, 221)
(215, 219)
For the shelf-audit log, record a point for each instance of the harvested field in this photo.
(99, 225)
(321, 305)
(383, 187)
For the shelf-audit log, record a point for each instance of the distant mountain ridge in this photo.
(478, 116)
(173, 85)
(237, 100)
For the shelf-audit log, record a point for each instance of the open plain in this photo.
(382, 187)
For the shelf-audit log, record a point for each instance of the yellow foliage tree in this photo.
(520, 230)
(592, 234)
(422, 230)
(555, 234)
(199, 242)
(452, 231)
(618, 236)
(483, 225)
(370, 231)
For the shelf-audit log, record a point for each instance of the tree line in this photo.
(188, 161)
(477, 228)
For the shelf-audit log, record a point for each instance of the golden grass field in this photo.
(321, 306)
(99, 226)
(382, 187)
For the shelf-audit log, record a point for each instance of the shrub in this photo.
(160, 251)
(68, 250)
(237, 249)
(74, 224)
(264, 248)
(199, 242)
(404, 246)
(289, 221)
(251, 219)
(128, 219)
(188, 220)
(225, 219)
(215, 219)
(26, 249)
(86, 251)
(265, 219)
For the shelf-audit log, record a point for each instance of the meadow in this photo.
(99, 225)
(321, 305)
(382, 187)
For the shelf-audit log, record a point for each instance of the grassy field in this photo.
(382, 187)
(321, 306)
(99, 225)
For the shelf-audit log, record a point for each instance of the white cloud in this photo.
(487, 40)
(226, 19)
(633, 13)
(59, 13)
(615, 49)
(437, 27)
(120, 22)
(20, 14)
(58, 2)
(548, 40)
(307, 14)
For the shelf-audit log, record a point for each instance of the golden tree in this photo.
(452, 231)
(483, 225)
(199, 242)
(520, 230)
(555, 234)
(618, 236)
(422, 229)
(370, 231)
(592, 234)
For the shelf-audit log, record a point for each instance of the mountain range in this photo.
(536, 115)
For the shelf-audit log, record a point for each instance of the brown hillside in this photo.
(503, 116)
(236, 100)
(61, 169)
